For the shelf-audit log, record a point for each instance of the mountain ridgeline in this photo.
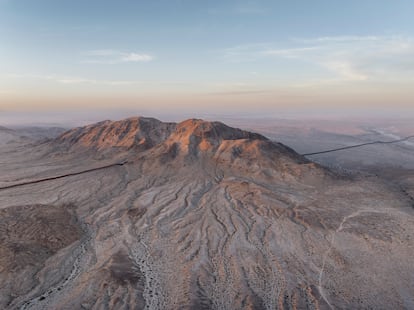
(191, 142)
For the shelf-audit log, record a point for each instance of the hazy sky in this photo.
(230, 57)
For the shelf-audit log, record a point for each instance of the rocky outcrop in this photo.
(136, 132)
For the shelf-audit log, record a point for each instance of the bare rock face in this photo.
(205, 216)
(137, 132)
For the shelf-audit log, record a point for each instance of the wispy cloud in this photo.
(97, 82)
(115, 57)
(245, 52)
(134, 57)
(73, 80)
(341, 39)
(29, 76)
(354, 58)
(239, 92)
(346, 70)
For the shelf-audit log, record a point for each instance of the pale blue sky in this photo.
(206, 56)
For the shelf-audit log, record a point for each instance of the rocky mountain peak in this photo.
(144, 133)
(141, 132)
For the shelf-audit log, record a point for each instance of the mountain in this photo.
(138, 132)
(40, 133)
(192, 140)
(3, 129)
(28, 134)
(7, 135)
(198, 215)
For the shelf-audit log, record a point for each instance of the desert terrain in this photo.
(144, 214)
(392, 162)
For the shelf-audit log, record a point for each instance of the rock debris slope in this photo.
(204, 216)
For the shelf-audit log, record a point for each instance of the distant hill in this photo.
(28, 134)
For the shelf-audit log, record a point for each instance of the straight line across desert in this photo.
(273, 169)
